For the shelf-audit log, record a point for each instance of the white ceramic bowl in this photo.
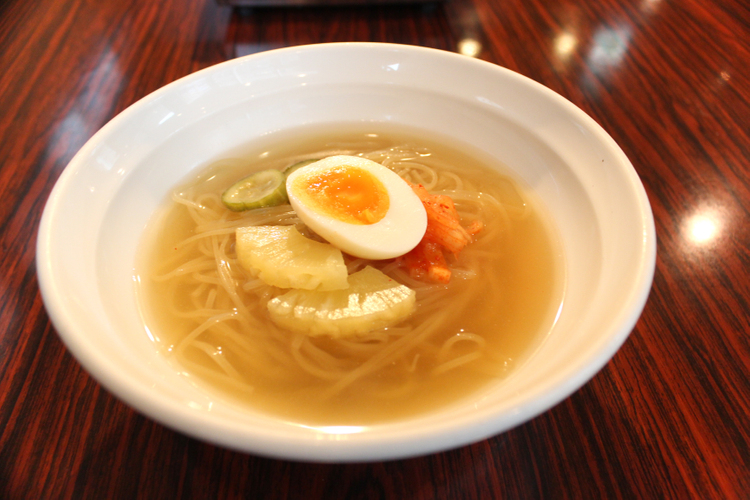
(98, 209)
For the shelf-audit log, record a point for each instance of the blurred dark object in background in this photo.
(284, 3)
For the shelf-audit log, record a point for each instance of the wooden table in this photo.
(667, 417)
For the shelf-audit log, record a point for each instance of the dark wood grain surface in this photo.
(668, 417)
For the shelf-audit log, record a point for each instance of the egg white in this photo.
(398, 232)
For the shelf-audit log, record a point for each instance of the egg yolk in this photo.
(346, 193)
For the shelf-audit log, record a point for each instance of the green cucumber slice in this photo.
(291, 168)
(266, 188)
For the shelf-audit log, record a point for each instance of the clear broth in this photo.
(513, 313)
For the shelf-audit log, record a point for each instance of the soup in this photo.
(208, 315)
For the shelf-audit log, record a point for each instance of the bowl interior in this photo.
(92, 226)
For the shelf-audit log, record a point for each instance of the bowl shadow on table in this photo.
(168, 464)
(452, 26)
(172, 465)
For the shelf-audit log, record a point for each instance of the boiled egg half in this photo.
(358, 205)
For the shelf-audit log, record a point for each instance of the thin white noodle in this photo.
(455, 363)
(460, 337)
(217, 357)
(224, 380)
(202, 328)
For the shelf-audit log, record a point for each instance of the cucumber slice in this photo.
(266, 188)
(291, 168)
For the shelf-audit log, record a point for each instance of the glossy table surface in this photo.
(669, 416)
